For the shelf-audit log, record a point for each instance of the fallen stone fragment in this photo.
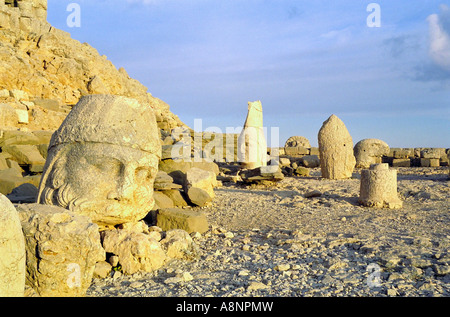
(185, 219)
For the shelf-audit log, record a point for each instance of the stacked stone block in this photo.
(417, 157)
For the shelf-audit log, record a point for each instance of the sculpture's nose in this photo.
(125, 186)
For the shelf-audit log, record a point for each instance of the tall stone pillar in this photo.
(252, 145)
(379, 187)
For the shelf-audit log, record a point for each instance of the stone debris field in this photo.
(309, 237)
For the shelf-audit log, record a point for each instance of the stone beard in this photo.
(103, 160)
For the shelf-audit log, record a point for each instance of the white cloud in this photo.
(439, 49)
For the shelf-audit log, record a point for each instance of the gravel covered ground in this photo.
(309, 237)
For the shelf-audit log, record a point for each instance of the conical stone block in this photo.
(337, 160)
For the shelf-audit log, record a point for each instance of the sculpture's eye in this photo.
(105, 165)
(144, 174)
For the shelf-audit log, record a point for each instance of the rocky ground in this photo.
(309, 237)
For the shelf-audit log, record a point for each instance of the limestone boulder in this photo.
(177, 168)
(178, 244)
(27, 155)
(370, 151)
(12, 251)
(187, 220)
(199, 186)
(136, 250)
(310, 161)
(337, 160)
(62, 250)
(264, 175)
(8, 116)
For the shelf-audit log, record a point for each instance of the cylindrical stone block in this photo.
(379, 187)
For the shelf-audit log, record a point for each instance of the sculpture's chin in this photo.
(111, 213)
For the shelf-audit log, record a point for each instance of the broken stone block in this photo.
(137, 251)
(10, 179)
(185, 219)
(405, 162)
(27, 155)
(199, 186)
(199, 196)
(401, 153)
(177, 197)
(310, 161)
(8, 116)
(62, 250)
(296, 151)
(430, 162)
(302, 171)
(22, 116)
(271, 173)
(178, 244)
(378, 187)
(3, 164)
(431, 153)
(15, 137)
(161, 201)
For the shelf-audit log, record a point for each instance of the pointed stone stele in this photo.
(379, 187)
(252, 145)
(336, 150)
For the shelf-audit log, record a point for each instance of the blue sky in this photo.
(304, 60)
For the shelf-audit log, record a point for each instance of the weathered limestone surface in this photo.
(62, 250)
(379, 187)
(12, 251)
(43, 71)
(187, 220)
(337, 160)
(370, 151)
(103, 160)
(137, 251)
(199, 186)
(252, 145)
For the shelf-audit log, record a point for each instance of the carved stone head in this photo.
(102, 161)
